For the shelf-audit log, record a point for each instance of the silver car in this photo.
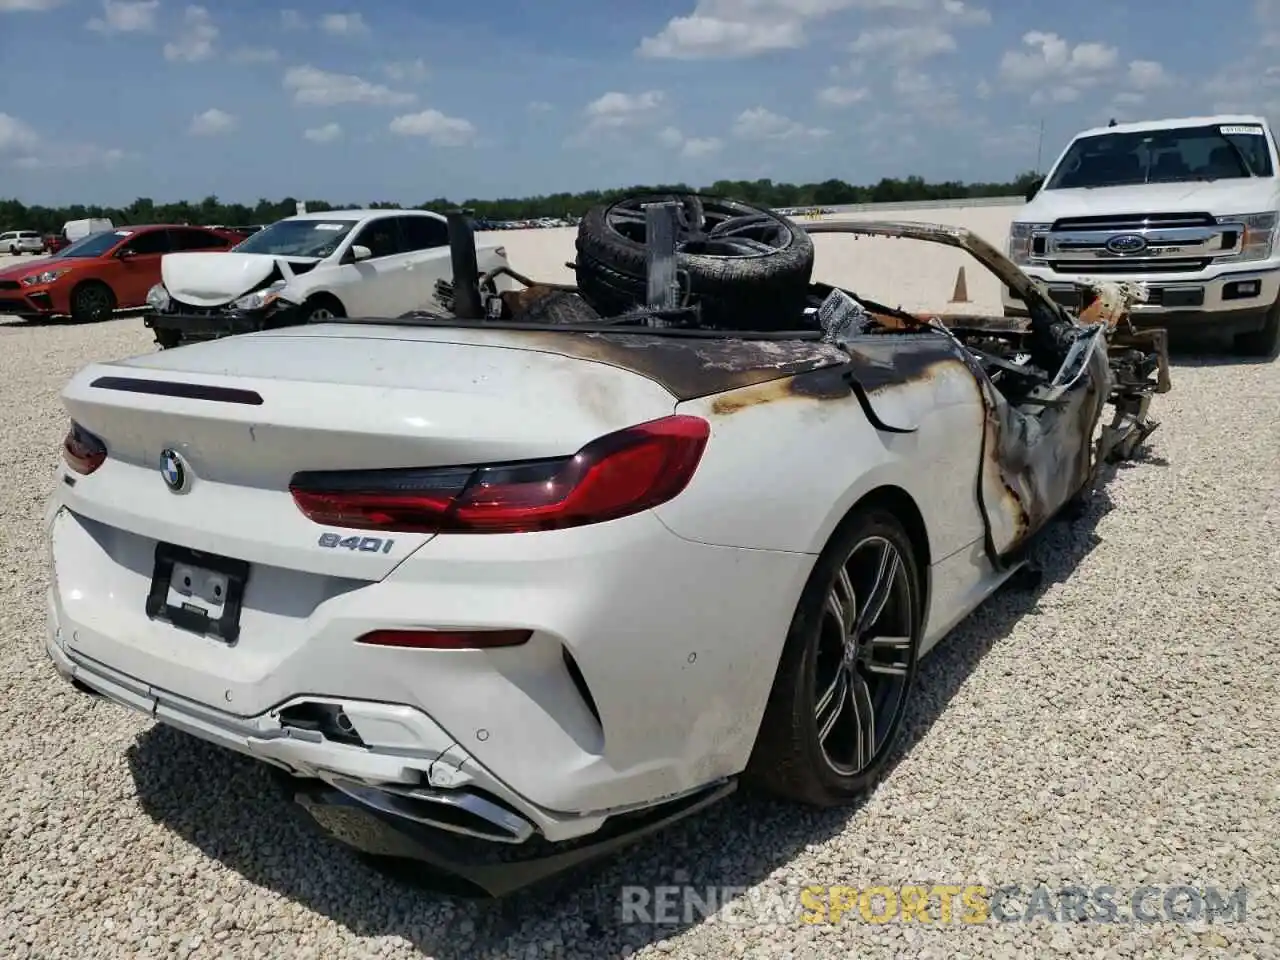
(14, 242)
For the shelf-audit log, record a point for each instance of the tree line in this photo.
(15, 215)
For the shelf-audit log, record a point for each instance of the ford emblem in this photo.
(172, 470)
(1127, 243)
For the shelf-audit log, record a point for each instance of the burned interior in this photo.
(707, 295)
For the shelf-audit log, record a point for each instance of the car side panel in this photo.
(784, 467)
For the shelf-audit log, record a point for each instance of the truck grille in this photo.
(1130, 222)
(1130, 265)
(1135, 243)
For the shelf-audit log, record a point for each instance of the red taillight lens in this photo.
(83, 452)
(615, 476)
(446, 639)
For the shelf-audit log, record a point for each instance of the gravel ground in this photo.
(1115, 726)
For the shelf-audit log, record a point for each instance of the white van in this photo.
(75, 230)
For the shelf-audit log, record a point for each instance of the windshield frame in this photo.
(283, 228)
(73, 250)
(1137, 143)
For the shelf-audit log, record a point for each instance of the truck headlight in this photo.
(158, 298)
(1021, 241)
(259, 299)
(1257, 236)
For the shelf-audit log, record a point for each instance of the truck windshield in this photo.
(298, 238)
(1215, 152)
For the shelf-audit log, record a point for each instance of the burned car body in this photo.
(466, 645)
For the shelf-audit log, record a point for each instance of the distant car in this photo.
(53, 242)
(306, 269)
(15, 242)
(101, 273)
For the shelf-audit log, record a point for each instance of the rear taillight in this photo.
(83, 452)
(615, 476)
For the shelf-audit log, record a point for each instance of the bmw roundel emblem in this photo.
(173, 470)
(1127, 243)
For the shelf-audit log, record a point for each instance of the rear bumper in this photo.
(463, 830)
(645, 678)
(1229, 303)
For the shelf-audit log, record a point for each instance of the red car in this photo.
(103, 272)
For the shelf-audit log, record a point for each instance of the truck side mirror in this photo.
(1034, 188)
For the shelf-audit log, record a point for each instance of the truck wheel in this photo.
(92, 301)
(747, 267)
(1264, 343)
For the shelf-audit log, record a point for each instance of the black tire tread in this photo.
(782, 762)
(79, 315)
(1264, 343)
(761, 293)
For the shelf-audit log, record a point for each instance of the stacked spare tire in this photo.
(741, 267)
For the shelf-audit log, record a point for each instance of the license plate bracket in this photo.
(198, 592)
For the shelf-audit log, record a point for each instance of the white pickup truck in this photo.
(1189, 206)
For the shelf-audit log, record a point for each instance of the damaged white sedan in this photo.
(500, 588)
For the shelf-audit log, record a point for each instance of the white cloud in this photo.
(904, 44)
(699, 37)
(27, 6)
(691, 147)
(759, 123)
(126, 16)
(412, 71)
(195, 41)
(842, 96)
(213, 122)
(539, 106)
(292, 20)
(921, 95)
(614, 110)
(442, 130)
(255, 55)
(34, 152)
(326, 134)
(16, 134)
(723, 29)
(1148, 75)
(343, 24)
(315, 87)
(1052, 57)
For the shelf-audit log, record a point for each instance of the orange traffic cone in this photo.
(961, 292)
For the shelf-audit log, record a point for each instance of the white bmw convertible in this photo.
(501, 586)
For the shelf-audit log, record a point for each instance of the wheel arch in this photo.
(325, 296)
(897, 501)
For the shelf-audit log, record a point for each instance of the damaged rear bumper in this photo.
(439, 807)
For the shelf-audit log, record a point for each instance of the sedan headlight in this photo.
(45, 276)
(158, 298)
(1257, 237)
(259, 299)
(1021, 242)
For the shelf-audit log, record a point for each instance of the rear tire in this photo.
(92, 301)
(1264, 343)
(855, 683)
